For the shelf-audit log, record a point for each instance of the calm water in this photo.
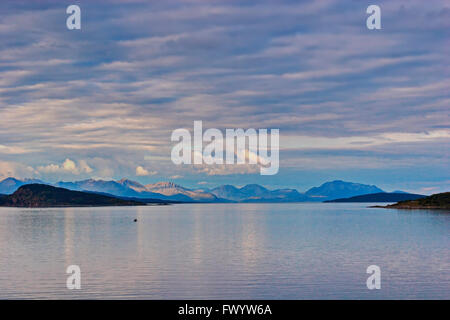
(225, 251)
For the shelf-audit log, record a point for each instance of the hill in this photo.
(43, 196)
(340, 189)
(435, 201)
(380, 197)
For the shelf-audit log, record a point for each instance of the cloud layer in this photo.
(109, 96)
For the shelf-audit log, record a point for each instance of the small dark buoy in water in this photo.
(135, 220)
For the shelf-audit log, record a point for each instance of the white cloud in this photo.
(228, 169)
(141, 171)
(68, 166)
(17, 170)
(84, 167)
(12, 150)
(360, 142)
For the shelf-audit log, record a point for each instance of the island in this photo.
(435, 201)
(381, 197)
(45, 196)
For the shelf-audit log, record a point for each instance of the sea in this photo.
(225, 251)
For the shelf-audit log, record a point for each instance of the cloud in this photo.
(140, 171)
(361, 142)
(311, 69)
(12, 150)
(227, 169)
(177, 176)
(68, 166)
(14, 169)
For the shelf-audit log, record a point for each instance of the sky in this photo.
(368, 106)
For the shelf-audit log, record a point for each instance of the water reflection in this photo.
(248, 251)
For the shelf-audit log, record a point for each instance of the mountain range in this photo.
(169, 191)
(257, 193)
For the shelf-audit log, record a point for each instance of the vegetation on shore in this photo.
(435, 201)
(381, 197)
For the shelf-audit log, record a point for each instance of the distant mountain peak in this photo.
(10, 184)
(10, 179)
(164, 185)
(253, 186)
(136, 186)
(341, 189)
(227, 186)
(91, 180)
(170, 189)
(125, 181)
